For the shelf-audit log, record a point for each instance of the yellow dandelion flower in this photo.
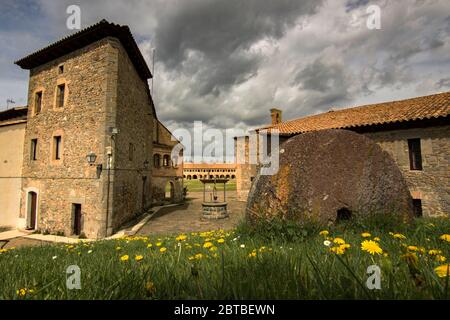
(221, 240)
(324, 233)
(198, 256)
(440, 258)
(213, 248)
(124, 258)
(371, 247)
(412, 248)
(442, 271)
(181, 237)
(445, 237)
(138, 258)
(338, 250)
(399, 236)
(163, 249)
(376, 239)
(149, 245)
(207, 245)
(339, 241)
(252, 255)
(158, 244)
(365, 235)
(434, 252)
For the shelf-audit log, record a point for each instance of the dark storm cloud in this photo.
(222, 33)
(220, 28)
(327, 84)
(354, 4)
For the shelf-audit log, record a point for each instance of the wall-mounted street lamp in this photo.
(146, 163)
(91, 158)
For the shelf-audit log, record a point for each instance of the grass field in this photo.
(197, 186)
(271, 261)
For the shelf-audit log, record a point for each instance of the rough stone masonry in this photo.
(330, 175)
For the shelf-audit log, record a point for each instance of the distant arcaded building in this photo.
(88, 144)
(415, 132)
(195, 171)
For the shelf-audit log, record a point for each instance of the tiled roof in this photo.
(420, 108)
(14, 115)
(85, 37)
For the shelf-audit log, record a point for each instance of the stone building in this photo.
(415, 132)
(89, 136)
(167, 171)
(195, 171)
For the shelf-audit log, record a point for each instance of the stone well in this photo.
(327, 176)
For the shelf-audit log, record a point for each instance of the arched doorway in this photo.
(32, 210)
(170, 191)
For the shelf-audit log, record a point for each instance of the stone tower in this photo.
(88, 95)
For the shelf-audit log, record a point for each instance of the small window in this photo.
(415, 154)
(57, 148)
(60, 95)
(417, 207)
(166, 160)
(33, 153)
(130, 152)
(61, 69)
(38, 102)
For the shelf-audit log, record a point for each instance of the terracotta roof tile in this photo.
(419, 108)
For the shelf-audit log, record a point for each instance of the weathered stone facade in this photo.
(81, 123)
(330, 175)
(167, 172)
(431, 184)
(89, 137)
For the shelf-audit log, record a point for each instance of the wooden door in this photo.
(33, 210)
(77, 219)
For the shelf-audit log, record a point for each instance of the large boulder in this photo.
(330, 175)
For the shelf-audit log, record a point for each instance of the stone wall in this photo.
(167, 181)
(245, 172)
(431, 184)
(81, 124)
(133, 144)
(11, 158)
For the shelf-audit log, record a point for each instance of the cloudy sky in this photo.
(227, 62)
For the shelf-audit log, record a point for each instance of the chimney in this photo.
(276, 115)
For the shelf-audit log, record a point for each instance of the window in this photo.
(415, 154)
(57, 148)
(33, 153)
(61, 69)
(38, 102)
(130, 152)
(156, 160)
(417, 207)
(166, 160)
(60, 95)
